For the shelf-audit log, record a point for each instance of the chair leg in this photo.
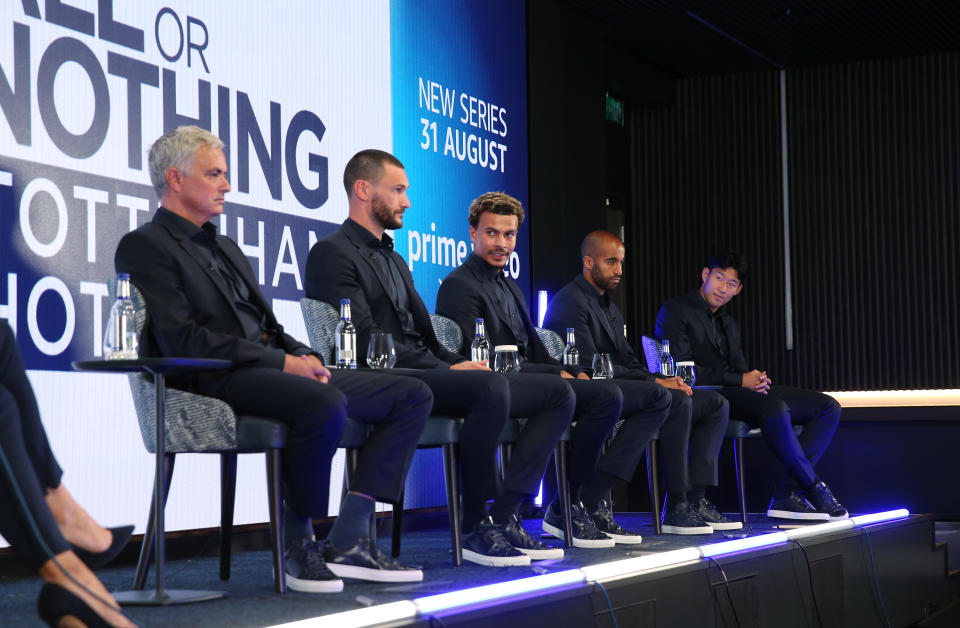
(275, 498)
(563, 486)
(228, 491)
(741, 479)
(506, 451)
(451, 476)
(397, 526)
(653, 478)
(146, 549)
(351, 462)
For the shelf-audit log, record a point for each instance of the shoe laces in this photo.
(310, 556)
(492, 535)
(582, 521)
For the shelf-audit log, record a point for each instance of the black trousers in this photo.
(28, 466)
(775, 414)
(485, 400)
(709, 414)
(396, 407)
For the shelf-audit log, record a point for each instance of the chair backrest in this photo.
(552, 341)
(448, 332)
(651, 351)
(321, 320)
(194, 423)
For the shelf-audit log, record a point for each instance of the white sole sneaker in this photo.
(375, 575)
(687, 530)
(544, 554)
(727, 525)
(585, 543)
(625, 539)
(314, 586)
(495, 561)
(799, 516)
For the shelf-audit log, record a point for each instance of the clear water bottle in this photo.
(346, 338)
(571, 355)
(667, 365)
(480, 347)
(120, 338)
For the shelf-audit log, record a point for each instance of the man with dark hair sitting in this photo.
(700, 329)
(584, 304)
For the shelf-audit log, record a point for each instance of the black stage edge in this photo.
(764, 587)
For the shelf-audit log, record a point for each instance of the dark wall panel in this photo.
(873, 174)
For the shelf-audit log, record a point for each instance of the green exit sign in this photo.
(614, 109)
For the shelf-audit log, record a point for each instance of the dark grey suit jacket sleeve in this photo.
(190, 314)
(337, 269)
(570, 308)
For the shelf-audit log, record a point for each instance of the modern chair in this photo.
(199, 424)
(736, 430)
(554, 344)
(321, 320)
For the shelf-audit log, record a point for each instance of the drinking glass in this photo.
(602, 366)
(381, 354)
(506, 359)
(686, 372)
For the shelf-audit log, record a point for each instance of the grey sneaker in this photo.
(585, 532)
(519, 539)
(793, 506)
(713, 517)
(603, 519)
(486, 545)
(823, 501)
(306, 570)
(684, 519)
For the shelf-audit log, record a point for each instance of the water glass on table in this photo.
(506, 359)
(602, 366)
(381, 353)
(686, 372)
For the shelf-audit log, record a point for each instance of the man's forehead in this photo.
(729, 273)
(505, 222)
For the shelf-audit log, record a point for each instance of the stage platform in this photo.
(855, 577)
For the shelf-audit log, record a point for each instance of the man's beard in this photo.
(600, 281)
(385, 215)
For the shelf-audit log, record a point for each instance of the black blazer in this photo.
(467, 294)
(341, 266)
(576, 305)
(191, 311)
(685, 322)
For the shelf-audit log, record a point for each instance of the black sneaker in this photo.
(364, 561)
(713, 517)
(794, 506)
(603, 518)
(684, 519)
(585, 532)
(516, 536)
(486, 545)
(306, 570)
(823, 501)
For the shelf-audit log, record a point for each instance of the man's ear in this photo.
(704, 274)
(361, 189)
(173, 179)
(588, 262)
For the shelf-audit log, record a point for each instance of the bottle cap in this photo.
(344, 301)
(479, 320)
(123, 276)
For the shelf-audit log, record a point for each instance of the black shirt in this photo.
(505, 300)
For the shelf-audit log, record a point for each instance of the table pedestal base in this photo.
(169, 597)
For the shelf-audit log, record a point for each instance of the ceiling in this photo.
(705, 37)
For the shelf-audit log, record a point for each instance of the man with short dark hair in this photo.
(700, 329)
(584, 304)
(358, 262)
(479, 288)
(204, 301)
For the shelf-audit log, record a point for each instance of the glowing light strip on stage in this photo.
(504, 591)
(895, 398)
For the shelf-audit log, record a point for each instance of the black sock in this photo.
(695, 493)
(296, 527)
(597, 489)
(674, 498)
(505, 506)
(353, 521)
(576, 492)
(473, 514)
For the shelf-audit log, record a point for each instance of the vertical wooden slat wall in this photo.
(874, 221)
